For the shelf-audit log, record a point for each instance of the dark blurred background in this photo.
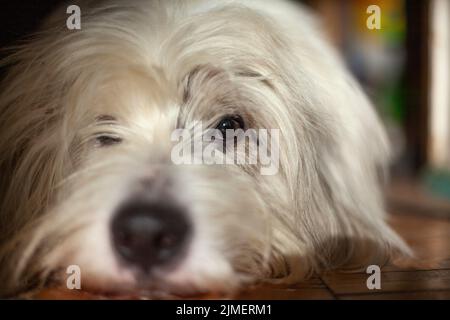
(19, 18)
(404, 68)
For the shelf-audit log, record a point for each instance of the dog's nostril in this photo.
(149, 234)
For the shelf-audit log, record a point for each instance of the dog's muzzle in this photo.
(150, 233)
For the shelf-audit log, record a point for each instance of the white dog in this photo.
(86, 118)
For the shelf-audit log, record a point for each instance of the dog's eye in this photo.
(107, 140)
(230, 123)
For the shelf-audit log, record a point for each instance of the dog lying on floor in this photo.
(86, 155)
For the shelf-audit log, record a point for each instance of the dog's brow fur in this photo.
(106, 118)
(152, 66)
(187, 87)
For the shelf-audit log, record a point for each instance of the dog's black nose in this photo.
(149, 234)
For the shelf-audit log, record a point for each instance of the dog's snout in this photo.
(148, 235)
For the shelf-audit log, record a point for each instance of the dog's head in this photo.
(87, 141)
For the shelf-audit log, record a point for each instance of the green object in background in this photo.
(392, 101)
(438, 182)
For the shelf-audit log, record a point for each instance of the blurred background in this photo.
(403, 66)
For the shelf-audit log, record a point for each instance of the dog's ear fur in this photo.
(352, 159)
(339, 158)
(29, 106)
(29, 150)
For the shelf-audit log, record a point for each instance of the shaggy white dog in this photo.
(86, 118)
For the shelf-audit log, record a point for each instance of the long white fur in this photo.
(131, 60)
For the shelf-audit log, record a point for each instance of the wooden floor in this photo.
(429, 238)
